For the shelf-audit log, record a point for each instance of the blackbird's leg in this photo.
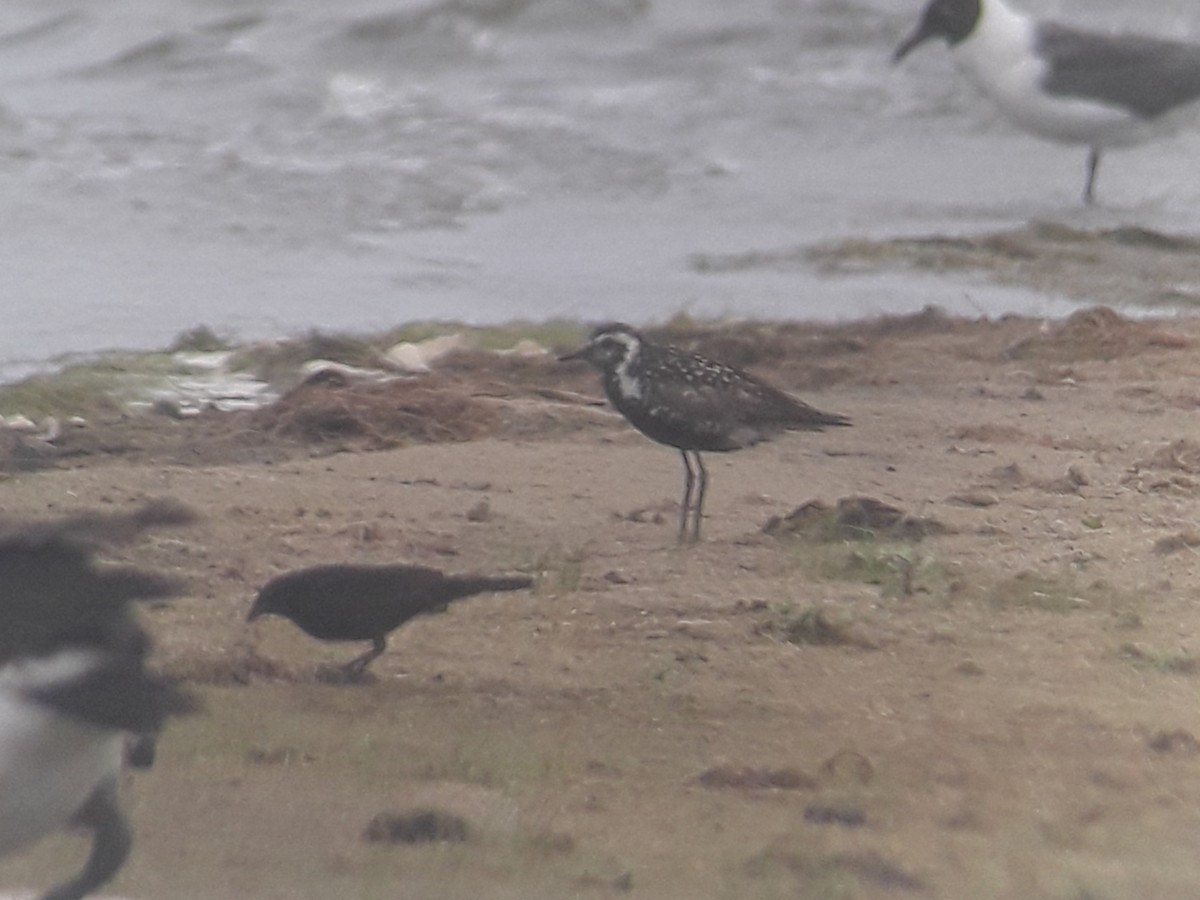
(357, 667)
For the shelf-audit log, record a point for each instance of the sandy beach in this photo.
(967, 667)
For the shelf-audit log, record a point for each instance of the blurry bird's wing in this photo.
(117, 695)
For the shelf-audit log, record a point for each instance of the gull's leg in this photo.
(1092, 165)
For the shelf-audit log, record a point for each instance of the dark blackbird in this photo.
(366, 603)
(693, 403)
(74, 685)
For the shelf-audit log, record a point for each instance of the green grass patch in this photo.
(107, 382)
(902, 570)
(829, 876)
(1049, 593)
(550, 334)
(200, 339)
(819, 625)
(897, 569)
(558, 570)
(84, 389)
(278, 361)
(1166, 662)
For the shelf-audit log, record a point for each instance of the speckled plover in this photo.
(692, 403)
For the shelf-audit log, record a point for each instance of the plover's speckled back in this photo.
(692, 403)
(1063, 83)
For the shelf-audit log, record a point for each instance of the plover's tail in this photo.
(809, 418)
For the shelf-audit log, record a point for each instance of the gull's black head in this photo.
(51, 591)
(68, 637)
(608, 346)
(54, 595)
(951, 20)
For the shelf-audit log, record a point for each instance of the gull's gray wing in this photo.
(1148, 76)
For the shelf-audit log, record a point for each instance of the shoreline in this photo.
(1142, 272)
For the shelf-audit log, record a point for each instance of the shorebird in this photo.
(73, 689)
(1063, 83)
(692, 403)
(367, 603)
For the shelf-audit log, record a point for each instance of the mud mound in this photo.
(1182, 455)
(755, 778)
(1102, 265)
(416, 826)
(854, 518)
(1096, 333)
(376, 416)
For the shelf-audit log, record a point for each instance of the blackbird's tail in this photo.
(454, 587)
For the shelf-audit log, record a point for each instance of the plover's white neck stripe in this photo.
(628, 384)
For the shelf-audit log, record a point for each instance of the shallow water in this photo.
(269, 168)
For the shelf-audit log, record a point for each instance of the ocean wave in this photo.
(449, 32)
(213, 49)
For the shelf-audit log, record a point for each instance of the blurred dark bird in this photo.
(367, 603)
(73, 687)
(692, 403)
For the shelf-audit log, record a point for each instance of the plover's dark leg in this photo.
(1093, 163)
(111, 840)
(357, 667)
(701, 487)
(689, 481)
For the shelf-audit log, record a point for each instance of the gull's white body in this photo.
(1067, 84)
(1000, 58)
(50, 763)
